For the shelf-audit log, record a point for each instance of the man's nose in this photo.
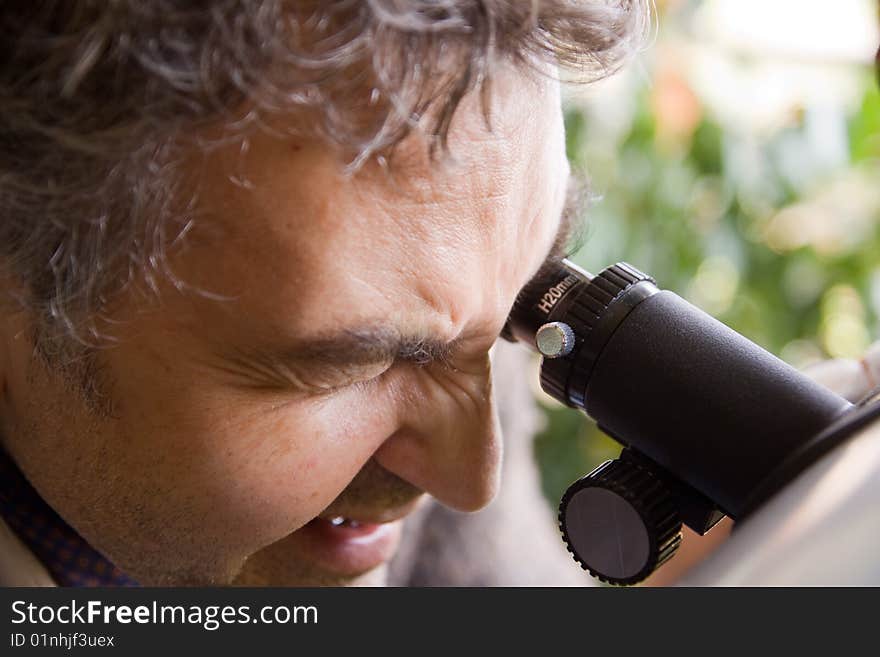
(448, 441)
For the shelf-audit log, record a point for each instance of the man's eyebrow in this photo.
(375, 344)
(372, 344)
(350, 349)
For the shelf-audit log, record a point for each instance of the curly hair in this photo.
(100, 99)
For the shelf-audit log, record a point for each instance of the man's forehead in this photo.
(374, 304)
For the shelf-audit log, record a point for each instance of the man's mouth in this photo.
(348, 546)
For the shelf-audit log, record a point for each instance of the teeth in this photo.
(339, 521)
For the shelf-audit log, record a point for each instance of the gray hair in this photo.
(100, 98)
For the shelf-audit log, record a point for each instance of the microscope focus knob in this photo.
(620, 522)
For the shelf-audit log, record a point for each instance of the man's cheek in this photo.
(281, 471)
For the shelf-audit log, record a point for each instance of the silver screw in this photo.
(554, 340)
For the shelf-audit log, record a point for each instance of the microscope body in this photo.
(821, 529)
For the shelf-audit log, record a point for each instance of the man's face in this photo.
(345, 371)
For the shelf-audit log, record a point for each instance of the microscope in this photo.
(711, 424)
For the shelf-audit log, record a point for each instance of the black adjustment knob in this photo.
(620, 522)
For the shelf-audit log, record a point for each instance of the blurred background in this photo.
(738, 162)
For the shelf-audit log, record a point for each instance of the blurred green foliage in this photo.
(765, 231)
